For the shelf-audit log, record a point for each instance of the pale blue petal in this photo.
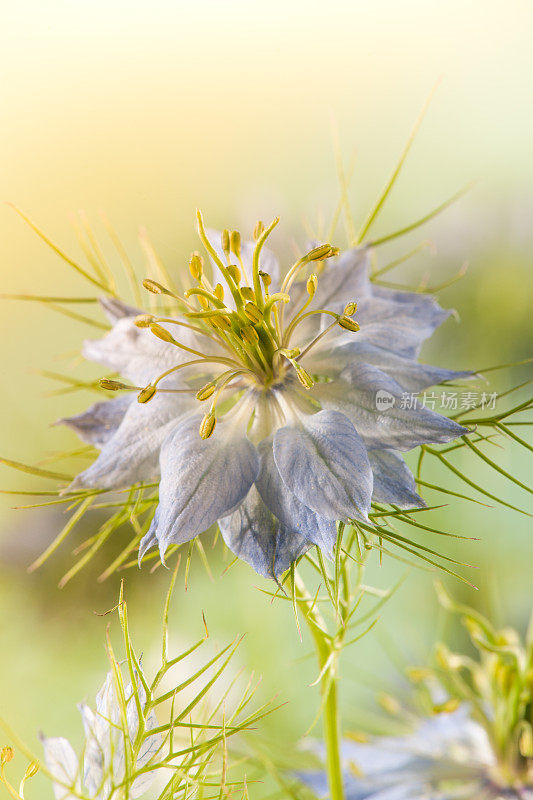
(63, 764)
(131, 455)
(344, 280)
(396, 427)
(201, 479)
(256, 536)
(101, 421)
(324, 463)
(136, 354)
(393, 481)
(332, 357)
(292, 514)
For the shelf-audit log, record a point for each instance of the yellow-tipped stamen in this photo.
(209, 296)
(234, 289)
(206, 391)
(248, 294)
(146, 394)
(253, 313)
(348, 324)
(196, 265)
(350, 309)
(258, 230)
(317, 339)
(218, 291)
(319, 253)
(114, 386)
(249, 335)
(207, 425)
(143, 320)
(235, 273)
(224, 241)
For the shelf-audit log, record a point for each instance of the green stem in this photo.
(325, 650)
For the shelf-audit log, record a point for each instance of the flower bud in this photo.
(143, 320)
(235, 273)
(253, 313)
(235, 243)
(348, 324)
(146, 394)
(207, 426)
(7, 754)
(350, 309)
(225, 241)
(162, 333)
(196, 264)
(113, 386)
(206, 391)
(312, 283)
(258, 230)
(249, 334)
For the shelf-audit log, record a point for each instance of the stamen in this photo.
(261, 239)
(209, 296)
(206, 391)
(253, 313)
(258, 230)
(146, 394)
(207, 426)
(196, 265)
(143, 320)
(114, 386)
(348, 324)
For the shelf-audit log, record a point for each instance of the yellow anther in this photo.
(7, 754)
(304, 377)
(154, 287)
(146, 394)
(218, 291)
(113, 386)
(249, 334)
(248, 293)
(357, 736)
(253, 313)
(419, 674)
(207, 426)
(225, 242)
(235, 243)
(312, 283)
(222, 322)
(319, 253)
(143, 320)
(196, 265)
(525, 742)
(31, 770)
(162, 333)
(350, 309)
(235, 273)
(206, 391)
(258, 230)
(292, 352)
(348, 324)
(389, 704)
(452, 704)
(203, 301)
(265, 277)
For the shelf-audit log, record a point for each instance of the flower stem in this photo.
(326, 651)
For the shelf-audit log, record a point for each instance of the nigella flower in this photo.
(107, 738)
(447, 757)
(295, 437)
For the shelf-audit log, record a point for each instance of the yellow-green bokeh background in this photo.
(146, 110)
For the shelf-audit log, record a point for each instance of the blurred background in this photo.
(146, 110)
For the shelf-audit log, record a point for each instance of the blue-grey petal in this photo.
(101, 421)
(393, 481)
(324, 463)
(380, 411)
(138, 355)
(333, 356)
(131, 455)
(201, 479)
(292, 514)
(256, 536)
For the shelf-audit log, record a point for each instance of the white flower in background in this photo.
(475, 739)
(295, 437)
(448, 757)
(110, 743)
